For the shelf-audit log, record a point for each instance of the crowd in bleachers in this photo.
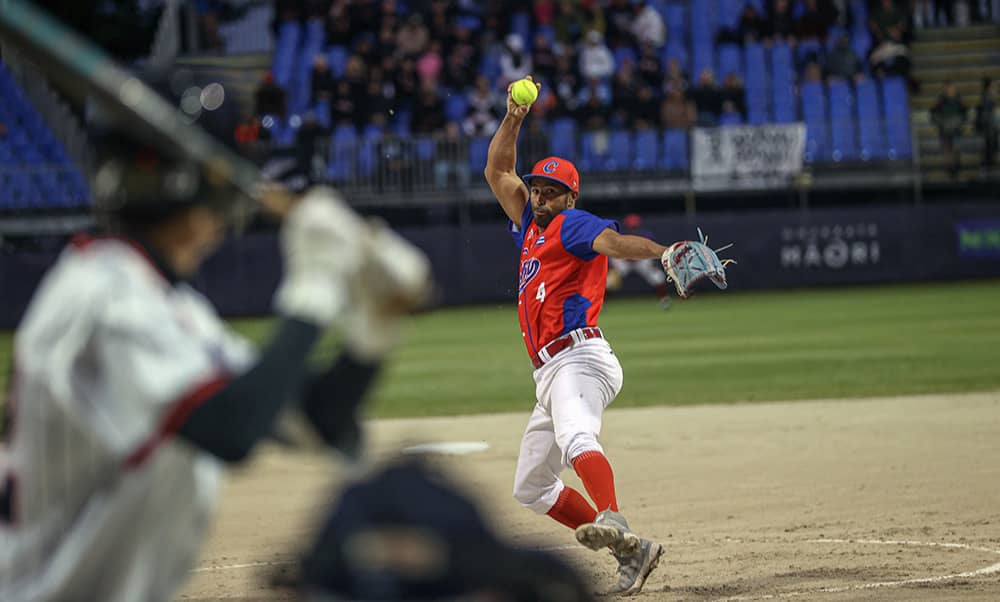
(364, 68)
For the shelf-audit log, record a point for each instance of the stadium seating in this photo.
(646, 151)
(783, 84)
(814, 114)
(897, 118)
(563, 137)
(730, 61)
(843, 146)
(675, 155)
(620, 151)
(478, 148)
(871, 134)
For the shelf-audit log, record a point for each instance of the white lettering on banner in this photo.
(747, 156)
(835, 247)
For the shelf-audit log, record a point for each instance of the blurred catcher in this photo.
(650, 269)
(129, 389)
(563, 273)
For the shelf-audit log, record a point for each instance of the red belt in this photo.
(546, 353)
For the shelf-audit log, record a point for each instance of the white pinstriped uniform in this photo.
(110, 358)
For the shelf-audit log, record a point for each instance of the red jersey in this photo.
(562, 279)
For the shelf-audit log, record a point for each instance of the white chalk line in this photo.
(987, 570)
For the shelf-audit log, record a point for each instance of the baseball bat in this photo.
(81, 69)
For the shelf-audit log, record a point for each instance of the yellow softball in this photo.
(524, 92)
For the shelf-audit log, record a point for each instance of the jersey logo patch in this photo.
(540, 241)
(529, 269)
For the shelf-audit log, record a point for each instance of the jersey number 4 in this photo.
(540, 295)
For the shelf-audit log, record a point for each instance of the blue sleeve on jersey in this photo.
(580, 228)
(518, 231)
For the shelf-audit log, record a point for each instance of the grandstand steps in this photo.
(965, 56)
(242, 73)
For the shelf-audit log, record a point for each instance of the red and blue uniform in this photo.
(562, 279)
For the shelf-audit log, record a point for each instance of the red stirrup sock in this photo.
(595, 472)
(572, 509)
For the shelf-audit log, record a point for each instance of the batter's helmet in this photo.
(135, 180)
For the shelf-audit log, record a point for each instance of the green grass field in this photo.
(820, 343)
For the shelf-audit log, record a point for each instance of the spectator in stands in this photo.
(675, 78)
(624, 94)
(890, 58)
(734, 92)
(379, 95)
(321, 80)
(619, 18)
(812, 73)
(815, 21)
(483, 116)
(385, 41)
(269, 99)
(677, 111)
(568, 23)
(707, 98)
(646, 114)
(543, 59)
(406, 82)
(515, 62)
(451, 157)
(534, 144)
(412, 37)
(596, 60)
(730, 114)
(841, 61)
(594, 112)
(440, 27)
(430, 64)
(948, 114)
(544, 12)
(889, 22)
(986, 124)
(648, 27)
(649, 67)
(565, 88)
(782, 23)
(339, 28)
(752, 28)
(593, 19)
(428, 111)
(462, 62)
(345, 105)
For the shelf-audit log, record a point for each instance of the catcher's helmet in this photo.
(135, 178)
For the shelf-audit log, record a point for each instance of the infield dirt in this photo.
(879, 499)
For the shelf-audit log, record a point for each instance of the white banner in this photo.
(746, 156)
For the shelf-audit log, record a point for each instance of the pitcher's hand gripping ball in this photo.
(524, 91)
(688, 261)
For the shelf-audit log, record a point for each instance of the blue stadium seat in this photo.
(756, 67)
(593, 154)
(814, 114)
(343, 149)
(621, 154)
(478, 148)
(425, 148)
(675, 48)
(871, 135)
(677, 23)
(456, 105)
(336, 58)
(861, 43)
(646, 150)
(896, 106)
(285, 52)
(809, 48)
(489, 65)
(520, 23)
(832, 35)
(675, 155)
(563, 138)
(859, 14)
(728, 12)
(704, 58)
(782, 83)
(621, 54)
(843, 145)
(730, 61)
(734, 118)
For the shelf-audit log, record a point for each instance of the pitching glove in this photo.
(321, 241)
(688, 261)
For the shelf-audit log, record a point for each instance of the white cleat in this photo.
(635, 569)
(609, 530)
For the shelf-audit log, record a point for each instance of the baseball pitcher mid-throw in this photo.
(563, 273)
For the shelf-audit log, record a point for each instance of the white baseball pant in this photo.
(572, 390)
